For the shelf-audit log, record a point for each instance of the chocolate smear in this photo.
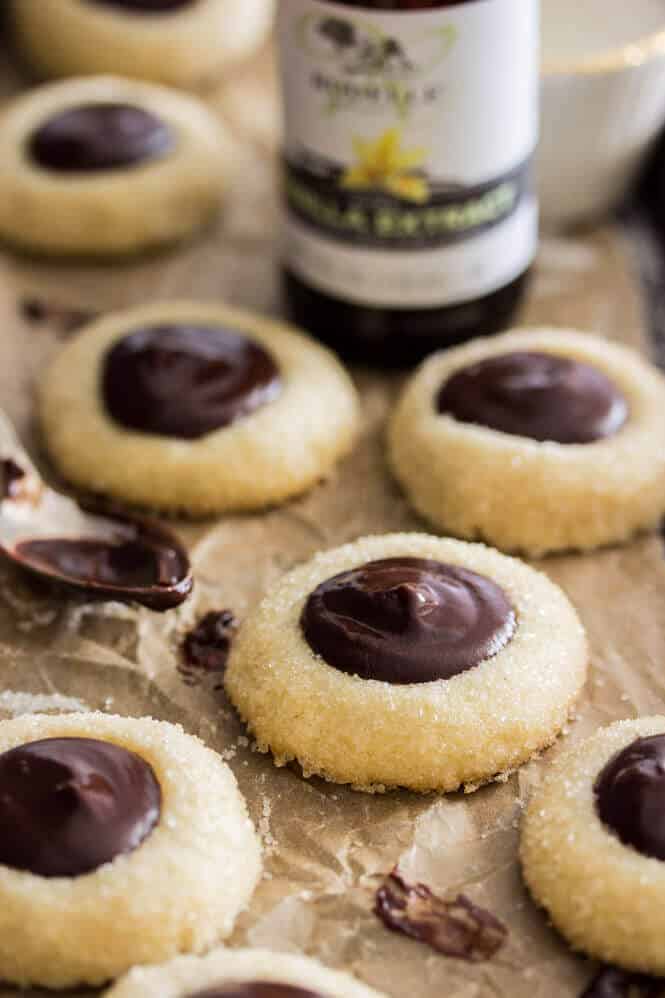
(66, 319)
(456, 928)
(12, 477)
(33, 310)
(611, 982)
(17, 484)
(206, 647)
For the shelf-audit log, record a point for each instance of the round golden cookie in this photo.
(127, 209)
(520, 494)
(179, 891)
(606, 897)
(187, 46)
(435, 735)
(274, 452)
(187, 976)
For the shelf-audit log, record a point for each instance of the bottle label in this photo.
(408, 149)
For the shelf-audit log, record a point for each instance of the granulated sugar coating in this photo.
(606, 898)
(522, 495)
(179, 891)
(430, 736)
(192, 975)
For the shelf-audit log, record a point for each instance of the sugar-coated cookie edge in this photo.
(172, 895)
(197, 973)
(525, 496)
(605, 898)
(434, 736)
(279, 451)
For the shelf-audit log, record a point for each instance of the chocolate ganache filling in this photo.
(537, 395)
(186, 381)
(630, 796)
(69, 805)
(96, 137)
(407, 620)
(147, 6)
(255, 989)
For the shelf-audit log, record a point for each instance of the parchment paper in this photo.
(326, 845)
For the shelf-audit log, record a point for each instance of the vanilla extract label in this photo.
(408, 147)
(448, 214)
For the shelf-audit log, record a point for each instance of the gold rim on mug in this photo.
(631, 55)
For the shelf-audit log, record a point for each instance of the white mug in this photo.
(603, 102)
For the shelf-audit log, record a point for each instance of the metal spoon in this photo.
(113, 557)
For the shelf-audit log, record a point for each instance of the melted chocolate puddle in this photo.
(148, 568)
(611, 982)
(206, 647)
(456, 928)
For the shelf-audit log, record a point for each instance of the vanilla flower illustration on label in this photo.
(383, 164)
(408, 147)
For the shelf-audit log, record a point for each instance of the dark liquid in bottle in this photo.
(393, 337)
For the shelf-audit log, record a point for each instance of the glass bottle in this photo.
(411, 221)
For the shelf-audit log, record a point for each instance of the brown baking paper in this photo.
(326, 846)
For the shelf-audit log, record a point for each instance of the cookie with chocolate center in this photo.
(535, 441)
(93, 810)
(408, 660)
(593, 845)
(198, 408)
(103, 166)
(240, 973)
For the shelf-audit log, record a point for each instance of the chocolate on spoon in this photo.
(113, 557)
